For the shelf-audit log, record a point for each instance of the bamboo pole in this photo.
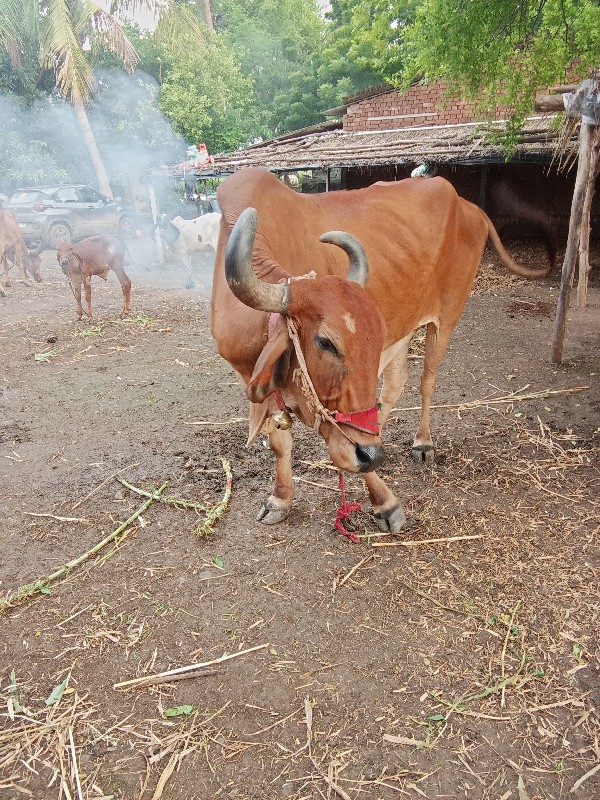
(568, 269)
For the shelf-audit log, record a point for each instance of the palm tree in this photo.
(208, 21)
(65, 32)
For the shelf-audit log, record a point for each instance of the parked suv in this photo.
(67, 213)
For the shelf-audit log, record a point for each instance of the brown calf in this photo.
(95, 255)
(13, 245)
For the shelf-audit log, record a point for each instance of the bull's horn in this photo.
(359, 263)
(240, 275)
(37, 250)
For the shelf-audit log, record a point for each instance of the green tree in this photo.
(360, 39)
(277, 43)
(501, 54)
(207, 98)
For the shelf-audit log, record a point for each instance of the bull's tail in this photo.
(507, 261)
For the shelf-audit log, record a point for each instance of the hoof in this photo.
(390, 521)
(270, 514)
(190, 284)
(423, 453)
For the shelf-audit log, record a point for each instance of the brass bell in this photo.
(282, 420)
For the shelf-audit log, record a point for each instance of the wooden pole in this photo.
(568, 269)
(154, 208)
(584, 244)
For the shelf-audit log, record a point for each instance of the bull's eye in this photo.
(326, 344)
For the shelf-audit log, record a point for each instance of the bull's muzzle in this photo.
(369, 457)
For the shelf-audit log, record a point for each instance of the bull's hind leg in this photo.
(18, 260)
(278, 505)
(436, 343)
(125, 286)
(4, 267)
(186, 260)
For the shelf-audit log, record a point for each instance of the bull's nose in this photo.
(369, 456)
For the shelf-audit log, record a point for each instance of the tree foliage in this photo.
(501, 54)
(277, 43)
(208, 99)
(362, 41)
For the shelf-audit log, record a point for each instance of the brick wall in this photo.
(421, 105)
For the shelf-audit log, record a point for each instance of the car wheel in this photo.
(127, 227)
(59, 233)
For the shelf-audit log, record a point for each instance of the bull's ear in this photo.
(271, 368)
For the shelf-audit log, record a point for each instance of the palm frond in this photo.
(178, 27)
(61, 52)
(109, 35)
(117, 6)
(10, 30)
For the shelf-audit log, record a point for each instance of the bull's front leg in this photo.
(278, 505)
(76, 281)
(88, 295)
(387, 510)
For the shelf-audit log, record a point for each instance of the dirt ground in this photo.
(466, 667)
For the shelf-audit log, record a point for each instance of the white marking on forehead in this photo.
(350, 324)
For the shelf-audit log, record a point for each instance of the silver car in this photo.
(66, 213)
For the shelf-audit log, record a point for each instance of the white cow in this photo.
(186, 236)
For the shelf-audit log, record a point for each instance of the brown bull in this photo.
(423, 244)
(96, 255)
(13, 247)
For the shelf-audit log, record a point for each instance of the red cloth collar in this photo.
(366, 421)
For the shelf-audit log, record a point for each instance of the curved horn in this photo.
(359, 263)
(240, 275)
(37, 250)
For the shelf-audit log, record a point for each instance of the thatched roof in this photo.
(327, 145)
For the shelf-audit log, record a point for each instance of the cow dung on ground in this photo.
(462, 667)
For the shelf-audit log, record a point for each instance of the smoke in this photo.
(131, 131)
(39, 144)
(42, 142)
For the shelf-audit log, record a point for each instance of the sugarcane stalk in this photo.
(42, 584)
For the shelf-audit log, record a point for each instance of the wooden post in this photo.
(154, 207)
(584, 244)
(568, 269)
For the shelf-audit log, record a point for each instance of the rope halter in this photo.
(365, 421)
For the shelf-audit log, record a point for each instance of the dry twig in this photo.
(183, 672)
